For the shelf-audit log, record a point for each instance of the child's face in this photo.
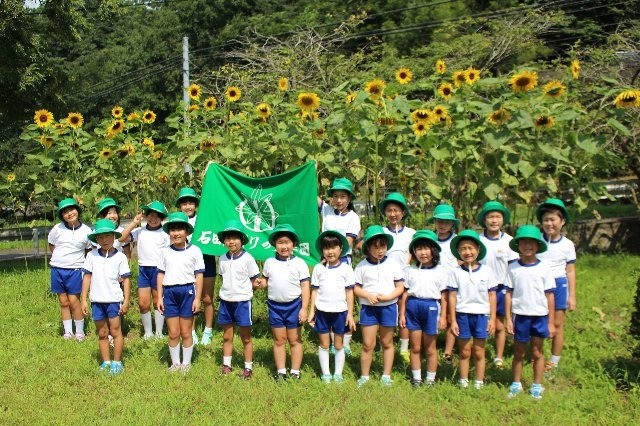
(233, 242)
(178, 235)
(394, 214)
(443, 227)
(377, 249)
(332, 254)
(552, 223)
(70, 215)
(340, 200)
(153, 219)
(106, 241)
(423, 254)
(112, 214)
(284, 246)
(528, 247)
(188, 207)
(493, 221)
(468, 251)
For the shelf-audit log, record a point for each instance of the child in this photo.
(69, 243)
(379, 283)
(239, 273)
(108, 208)
(188, 202)
(287, 280)
(340, 216)
(423, 305)
(561, 258)
(179, 288)
(446, 223)
(472, 303)
(331, 307)
(492, 218)
(395, 209)
(530, 285)
(105, 269)
(151, 239)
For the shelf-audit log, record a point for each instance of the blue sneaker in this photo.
(105, 366)
(116, 368)
(338, 378)
(514, 389)
(362, 381)
(386, 381)
(206, 339)
(326, 378)
(347, 351)
(536, 391)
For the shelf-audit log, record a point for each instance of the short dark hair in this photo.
(330, 241)
(435, 252)
(178, 225)
(550, 209)
(374, 240)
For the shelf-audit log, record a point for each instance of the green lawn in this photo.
(47, 380)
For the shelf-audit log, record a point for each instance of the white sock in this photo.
(385, 376)
(248, 365)
(207, 330)
(79, 326)
(431, 376)
(68, 326)
(347, 340)
(295, 371)
(159, 318)
(226, 360)
(416, 374)
(404, 345)
(175, 354)
(323, 357)
(331, 335)
(282, 371)
(146, 323)
(339, 361)
(186, 355)
(555, 359)
(479, 383)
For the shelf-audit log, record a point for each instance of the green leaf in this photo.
(509, 180)
(335, 119)
(434, 190)
(38, 189)
(590, 146)
(440, 154)
(568, 115)
(68, 185)
(525, 168)
(618, 126)
(611, 80)
(492, 190)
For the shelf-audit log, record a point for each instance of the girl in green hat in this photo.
(108, 208)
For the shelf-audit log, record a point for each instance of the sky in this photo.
(31, 3)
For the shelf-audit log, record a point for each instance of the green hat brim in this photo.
(222, 234)
(187, 197)
(506, 214)
(166, 227)
(422, 235)
(432, 219)
(552, 203)
(343, 240)
(94, 234)
(542, 244)
(482, 249)
(330, 191)
(273, 237)
(383, 205)
(147, 209)
(372, 232)
(67, 202)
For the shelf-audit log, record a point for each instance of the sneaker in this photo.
(362, 381)
(477, 385)
(206, 339)
(332, 349)
(194, 335)
(416, 383)
(226, 369)
(184, 368)
(536, 391)
(337, 378)
(105, 366)
(429, 383)
(111, 342)
(280, 377)
(405, 356)
(447, 359)
(175, 368)
(463, 383)
(326, 378)
(80, 337)
(148, 336)
(116, 368)
(158, 336)
(386, 381)
(498, 362)
(246, 374)
(294, 376)
(67, 336)
(514, 389)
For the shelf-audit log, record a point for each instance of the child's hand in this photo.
(138, 218)
(571, 303)
(124, 307)
(402, 320)
(552, 329)
(85, 308)
(455, 329)
(196, 305)
(160, 305)
(509, 323)
(258, 283)
(302, 316)
(311, 320)
(491, 326)
(372, 298)
(442, 322)
(351, 323)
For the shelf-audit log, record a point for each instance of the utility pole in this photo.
(185, 72)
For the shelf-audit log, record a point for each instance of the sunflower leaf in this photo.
(618, 126)
(434, 190)
(492, 190)
(611, 80)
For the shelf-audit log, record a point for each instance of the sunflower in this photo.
(628, 99)
(11, 177)
(575, 69)
(283, 84)
(350, 98)
(499, 117)
(263, 110)
(545, 122)
(404, 75)
(233, 94)
(319, 134)
(440, 112)
(194, 91)
(193, 107)
(460, 78)
(375, 88)
(308, 101)
(133, 116)
(441, 67)
(116, 127)
(105, 153)
(472, 75)
(129, 148)
(421, 116)
(75, 120)
(163, 179)
(43, 118)
(554, 89)
(148, 142)
(149, 116)
(387, 121)
(445, 90)
(210, 103)
(117, 111)
(207, 145)
(157, 154)
(524, 81)
(46, 141)
(420, 128)
(308, 115)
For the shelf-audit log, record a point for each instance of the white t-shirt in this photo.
(447, 259)
(70, 245)
(499, 255)
(192, 222)
(237, 273)
(473, 287)
(285, 277)
(150, 244)
(116, 243)
(331, 282)
(105, 275)
(426, 282)
(378, 278)
(399, 251)
(559, 253)
(180, 265)
(348, 224)
(528, 284)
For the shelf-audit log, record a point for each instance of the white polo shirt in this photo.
(528, 284)
(399, 251)
(426, 282)
(70, 245)
(447, 259)
(473, 287)
(378, 278)
(180, 265)
(285, 277)
(150, 244)
(331, 282)
(106, 272)
(237, 273)
(348, 224)
(499, 255)
(559, 253)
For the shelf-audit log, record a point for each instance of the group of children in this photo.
(471, 285)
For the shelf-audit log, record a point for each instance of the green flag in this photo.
(259, 204)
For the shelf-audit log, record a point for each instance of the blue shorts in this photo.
(385, 316)
(178, 300)
(561, 293)
(238, 313)
(525, 327)
(148, 277)
(330, 321)
(103, 311)
(422, 314)
(472, 325)
(500, 292)
(209, 266)
(65, 280)
(284, 314)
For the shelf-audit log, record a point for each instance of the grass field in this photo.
(47, 380)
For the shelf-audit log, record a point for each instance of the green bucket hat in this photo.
(372, 232)
(342, 184)
(185, 194)
(233, 226)
(338, 235)
(67, 202)
(103, 226)
(178, 217)
(493, 206)
(468, 234)
(157, 207)
(554, 203)
(531, 232)
(285, 229)
(396, 198)
(424, 234)
(444, 212)
(106, 203)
